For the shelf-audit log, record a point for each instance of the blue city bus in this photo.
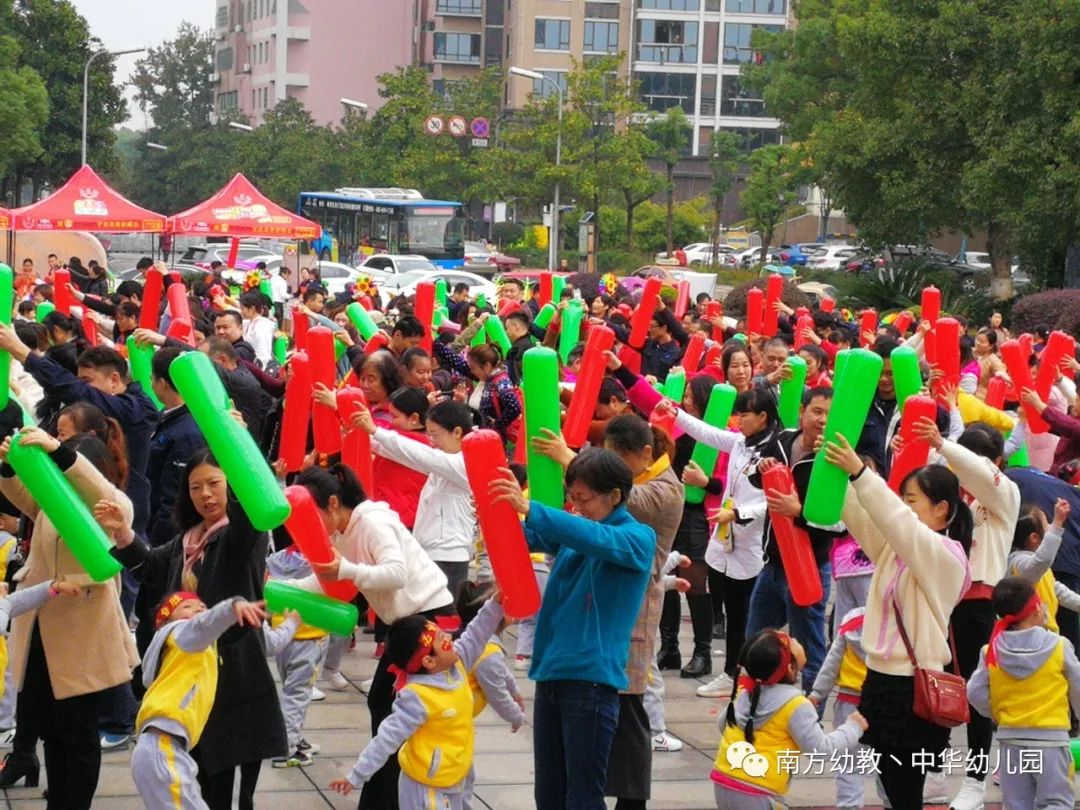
(358, 222)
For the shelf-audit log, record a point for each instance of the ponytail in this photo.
(335, 481)
(117, 445)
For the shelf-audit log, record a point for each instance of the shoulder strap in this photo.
(907, 642)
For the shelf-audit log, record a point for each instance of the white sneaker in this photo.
(522, 662)
(935, 790)
(665, 742)
(7, 737)
(335, 680)
(718, 687)
(317, 695)
(971, 796)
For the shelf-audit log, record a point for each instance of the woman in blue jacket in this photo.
(602, 559)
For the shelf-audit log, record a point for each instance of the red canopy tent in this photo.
(86, 203)
(240, 210)
(5, 219)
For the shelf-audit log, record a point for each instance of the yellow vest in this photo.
(183, 690)
(478, 696)
(5, 551)
(852, 672)
(1044, 587)
(770, 739)
(1040, 700)
(440, 752)
(304, 633)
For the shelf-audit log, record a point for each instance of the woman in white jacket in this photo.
(377, 553)
(736, 549)
(257, 326)
(445, 515)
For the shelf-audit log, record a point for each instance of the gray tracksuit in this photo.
(1021, 654)
(1031, 565)
(161, 767)
(409, 715)
(299, 660)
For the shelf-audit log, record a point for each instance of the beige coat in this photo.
(88, 646)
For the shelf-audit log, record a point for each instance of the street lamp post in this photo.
(86, 87)
(241, 127)
(354, 104)
(553, 241)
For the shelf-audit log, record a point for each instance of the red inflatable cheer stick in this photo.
(930, 304)
(308, 532)
(695, 347)
(947, 337)
(503, 535)
(62, 296)
(296, 414)
(1027, 342)
(639, 323)
(682, 301)
(1016, 363)
(903, 322)
(150, 311)
(867, 323)
(755, 310)
(796, 553)
(915, 451)
(301, 325)
(356, 446)
(631, 358)
(995, 392)
(508, 306)
(804, 322)
(424, 310)
(1068, 370)
(380, 341)
(180, 326)
(714, 312)
(828, 305)
(587, 389)
(712, 361)
(545, 288)
(1058, 347)
(324, 370)
(774, 291)
(89, 329)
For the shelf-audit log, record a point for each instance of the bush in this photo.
(507, 233)
(620, 262)
(735, 303)
(901, 287)
(1058, 309)
(689, 224)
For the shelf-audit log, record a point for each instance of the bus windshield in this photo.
(437, 232)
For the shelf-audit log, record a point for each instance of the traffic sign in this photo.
(457, 126)
(480, 127)
(433, 125)
(480, 142)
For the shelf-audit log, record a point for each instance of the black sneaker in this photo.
(308, 748)
(299, 759)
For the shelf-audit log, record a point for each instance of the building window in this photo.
(224, 59)
(735, 100)
(468, 8)
(757, 6)
(223, 17)
(751, 139)
(662, 91)
(552, 35)
(601, 37)
(227, 101)
(459, 48)
(544, 89)
(670, 5)
(737, 37)
(602, 11)
(667, 41)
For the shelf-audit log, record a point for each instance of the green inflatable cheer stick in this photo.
(281, 349)
(791, 391)
(570, 333)
(315, 609)
(496, 333)
(264, 288)
(544, 316)
(1074, 749)
(481, 301)
(906, 375)
(540, 370)
(362, 321)
(7, 304)
(480, 338)
(139, 356)
(68, 512)
(558, 284)
(244, 466)
(675, 385)
(42, 310)
(339, 347)
(717, 414)
(850, 405)
(440, 293)
(840, 365)
(1020, 457)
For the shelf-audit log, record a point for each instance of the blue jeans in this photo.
(573, 726)
(771, 606)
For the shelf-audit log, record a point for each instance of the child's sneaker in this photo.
(521, 662)
(665, 742)
(308, 748)
(317, 695)
(335, 680)
(299, 759)
(111, 742)
(718, 687)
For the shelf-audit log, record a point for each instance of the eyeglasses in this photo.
(579, 500)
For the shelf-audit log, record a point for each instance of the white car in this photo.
(701, 253)
(384, 266)
(335, 276)
(405, 283)
(831, 257)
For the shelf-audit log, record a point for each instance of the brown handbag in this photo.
(940, 697)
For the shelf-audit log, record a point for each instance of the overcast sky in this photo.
(123, 24)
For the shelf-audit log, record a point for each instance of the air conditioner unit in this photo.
(213, 78)
(246, 68)
(429, 25)
(239, 29)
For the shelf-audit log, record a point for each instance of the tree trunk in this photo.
(596, 220)
(826, 212)
(670, 211)
(765, 249)
(999, 248)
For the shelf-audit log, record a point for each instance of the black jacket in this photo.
(874, 441)
(175, 441)
(514, 358)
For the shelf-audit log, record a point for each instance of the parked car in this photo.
(405, 283)
(701, 253)
(699, 282)
(817, 290)
(385, 265)
(831, 257)
(204, 254)
(799, 255)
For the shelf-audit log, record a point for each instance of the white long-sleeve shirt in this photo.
(259, 332)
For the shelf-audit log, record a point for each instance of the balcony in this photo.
(663, 54)
(459, 8)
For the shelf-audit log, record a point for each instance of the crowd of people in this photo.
(968, 565)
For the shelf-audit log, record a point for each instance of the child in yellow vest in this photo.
(180, 671)
(432, 720)
(1035, 545)
(768, 715)
(1027, 679)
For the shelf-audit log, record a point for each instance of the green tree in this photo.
(670, 135)
(768, 192)
(24, 108)
(689, 224)
(173, 81)
(725, 157)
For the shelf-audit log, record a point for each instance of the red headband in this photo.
(1005, 622)
(781, 670)
(171, 603)
(425, 647)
